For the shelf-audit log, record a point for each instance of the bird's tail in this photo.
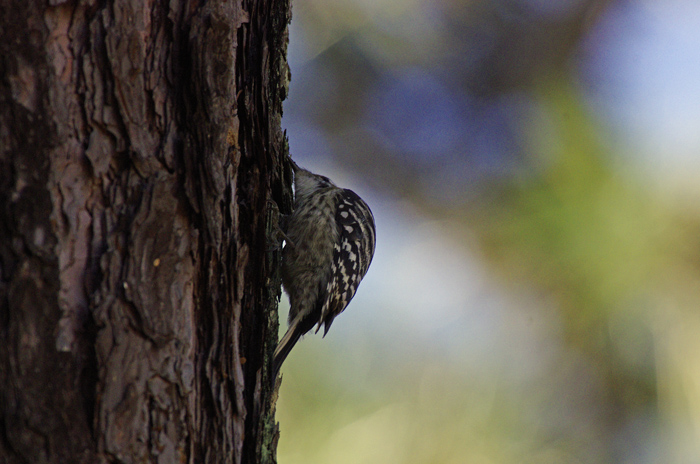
(285, 346)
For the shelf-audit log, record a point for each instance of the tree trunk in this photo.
(140, 146)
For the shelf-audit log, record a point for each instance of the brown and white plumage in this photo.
(331, 241)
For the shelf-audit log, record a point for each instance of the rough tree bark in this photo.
(140, 144)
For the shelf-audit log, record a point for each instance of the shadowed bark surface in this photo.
(140, 146)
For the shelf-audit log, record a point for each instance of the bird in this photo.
(330, 239)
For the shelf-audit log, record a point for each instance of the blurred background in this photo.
(533, 168)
